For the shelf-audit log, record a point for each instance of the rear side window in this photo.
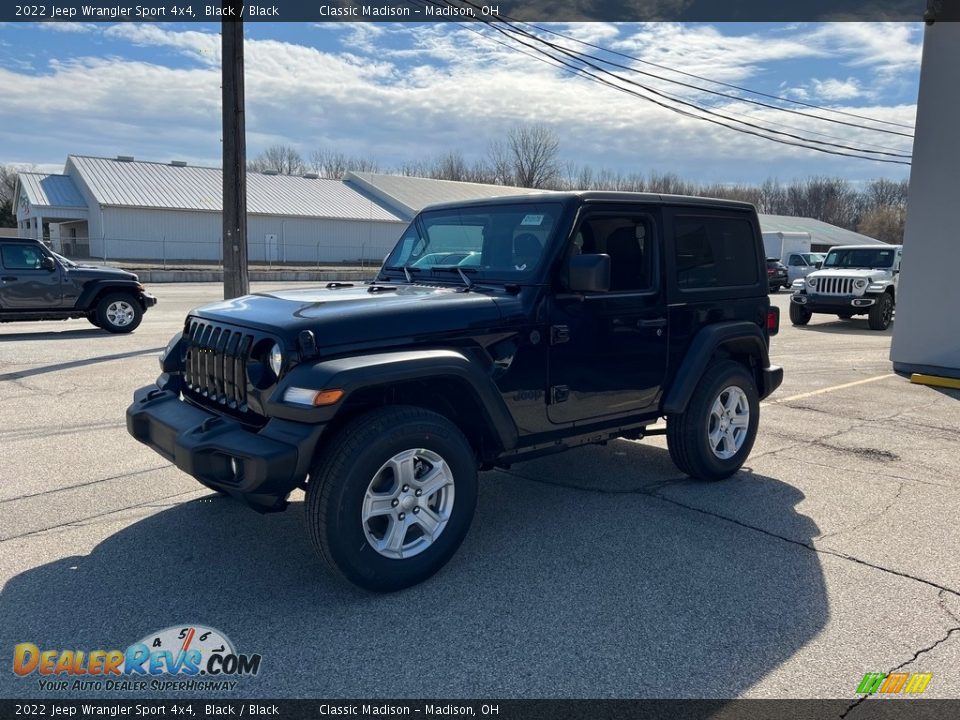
(714, 252)
(21, 257)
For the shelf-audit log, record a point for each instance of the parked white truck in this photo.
(793, 250)
(781, 245)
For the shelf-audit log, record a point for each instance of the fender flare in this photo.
(92, 288)
(744, 337)
(358, 372)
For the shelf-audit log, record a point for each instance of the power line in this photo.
(750, 129)
(724, 84)
(897, 152)
(579, 58)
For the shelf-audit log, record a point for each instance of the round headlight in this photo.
(276, 359)
(812, 282)
(860, 284)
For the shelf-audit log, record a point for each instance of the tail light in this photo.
(773, 320)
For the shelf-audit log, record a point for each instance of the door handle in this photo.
(8, 278)
(655, 323)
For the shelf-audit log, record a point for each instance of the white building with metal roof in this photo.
(126, 209)
(823, 236)
(122, 208)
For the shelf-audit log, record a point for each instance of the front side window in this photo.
(496, 242)
(21, 257)
(797, 261)
(628, 240)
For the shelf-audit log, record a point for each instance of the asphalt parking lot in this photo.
(601, 572)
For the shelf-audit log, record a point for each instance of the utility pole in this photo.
(235, 278)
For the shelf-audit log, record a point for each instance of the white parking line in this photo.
(828, 389)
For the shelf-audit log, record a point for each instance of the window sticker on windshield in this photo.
(532, 220)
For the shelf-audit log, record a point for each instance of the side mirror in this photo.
(48, 263)
(589, 273)
(819, 265)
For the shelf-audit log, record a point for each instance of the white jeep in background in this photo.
(853, 280)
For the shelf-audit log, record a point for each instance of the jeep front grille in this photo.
(835, 286)
(215, 364)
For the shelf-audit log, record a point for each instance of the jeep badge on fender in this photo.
(496, 331)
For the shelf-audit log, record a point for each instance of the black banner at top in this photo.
(480, 10)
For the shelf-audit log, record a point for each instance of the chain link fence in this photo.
(174, 253)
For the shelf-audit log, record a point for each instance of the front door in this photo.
(24, 283)
(608, 351)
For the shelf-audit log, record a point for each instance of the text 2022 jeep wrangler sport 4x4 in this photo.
(496, 331)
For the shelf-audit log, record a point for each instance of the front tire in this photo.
(119, 313)
(799, 315)
(391, 497)
(881, 313)
(712, 438)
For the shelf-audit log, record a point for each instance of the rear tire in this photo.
(799, 315)
(391, 497)
(844, 316)
(119, 313)
(713, 437)
(881, 313)
(92, 317)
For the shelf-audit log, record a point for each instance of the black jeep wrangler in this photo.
(496, 331)
(38, 284)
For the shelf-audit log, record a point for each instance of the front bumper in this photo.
(770, 379)
(147, 300)
(833, 303)
(271, 461)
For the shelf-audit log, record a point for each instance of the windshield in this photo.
(812, 258)
(505, 242)
(860, 258)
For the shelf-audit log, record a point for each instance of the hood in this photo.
(868, 273)
(346, 315)
(92, 272)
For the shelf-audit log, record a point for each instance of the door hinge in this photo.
(559, 394)
(559, 334)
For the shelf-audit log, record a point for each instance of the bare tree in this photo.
(8, 186)
(884, 222)
(450, 166)
(8, 182)
(501, 167)
(328, 164)
(284, 159)
(534, 153)
(414, 168)
(334, 164)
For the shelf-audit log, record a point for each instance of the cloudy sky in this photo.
(403, 92)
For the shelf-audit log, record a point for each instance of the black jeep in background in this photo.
(38, 284)
(496, 331)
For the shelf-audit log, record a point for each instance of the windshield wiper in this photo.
(461, 271)
(407, 269)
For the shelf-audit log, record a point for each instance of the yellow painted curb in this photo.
(935, 381)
